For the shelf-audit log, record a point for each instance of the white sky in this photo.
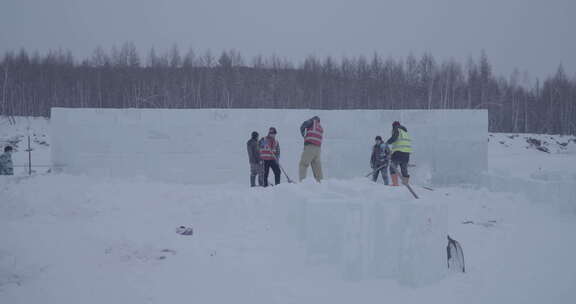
(532, 35)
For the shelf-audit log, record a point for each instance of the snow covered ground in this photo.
(532, 155)
(78, 239)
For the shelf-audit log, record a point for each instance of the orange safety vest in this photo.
(314, 134)
(268, 149)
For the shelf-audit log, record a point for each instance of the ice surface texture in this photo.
(209, 145)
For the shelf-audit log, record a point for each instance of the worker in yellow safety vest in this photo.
(401, 147)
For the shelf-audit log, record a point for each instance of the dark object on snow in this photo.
(486, 224)
(537, 144)
(183, 230)
(455, 256)
(534, 142)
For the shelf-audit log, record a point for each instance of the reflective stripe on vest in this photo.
(402, 143)
(268, 149)
(314, 134)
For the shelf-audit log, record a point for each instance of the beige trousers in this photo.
(311, 156)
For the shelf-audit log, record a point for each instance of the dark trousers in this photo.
(256, 172)
(400, 159)
(275, 168)
(381, 169)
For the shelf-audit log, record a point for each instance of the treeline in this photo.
(30, 84)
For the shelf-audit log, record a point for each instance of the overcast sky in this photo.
(531, 35)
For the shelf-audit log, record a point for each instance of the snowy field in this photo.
(80, 239)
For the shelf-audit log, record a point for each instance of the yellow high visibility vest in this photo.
(403, 143)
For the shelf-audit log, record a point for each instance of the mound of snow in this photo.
(536, 142)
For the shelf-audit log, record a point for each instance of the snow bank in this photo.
(539, 166)
(209, 145)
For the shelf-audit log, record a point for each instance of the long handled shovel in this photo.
(287, 177)
(372, 172)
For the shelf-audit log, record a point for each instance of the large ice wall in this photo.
(209, 145)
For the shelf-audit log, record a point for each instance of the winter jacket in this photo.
(308, 124)
(311, 132)
(395, 134)
(403, 143)
(400, 141)
(6, 165)
(253, 151)
(380, 155)
(269, 147)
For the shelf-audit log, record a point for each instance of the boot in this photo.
(385, 177)
(405, 180)
(394, 179)
(252, 180)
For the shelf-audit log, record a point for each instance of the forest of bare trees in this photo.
(30, 84)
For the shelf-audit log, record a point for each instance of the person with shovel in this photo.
(401, 146)
(379, 160)
(270, 154)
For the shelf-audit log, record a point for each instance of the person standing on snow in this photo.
(254, 159)
(6, 165)
(313, 133)
(401, 147)
(379, 160)
(270, 154)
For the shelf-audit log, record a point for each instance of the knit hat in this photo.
(272, 130)
(396, 124)
(378, 138)
(254, 134)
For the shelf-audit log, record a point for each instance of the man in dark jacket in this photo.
(379, 160)
(254, 159)
(270, 154)
(401, 147)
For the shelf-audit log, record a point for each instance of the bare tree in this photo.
(31, 85)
